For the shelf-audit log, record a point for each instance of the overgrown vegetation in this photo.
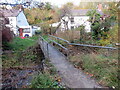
(42, 16)
(26, 54)
(71, 35)
(48, 79)
(43, 81)
(102, 66)
(15, 49)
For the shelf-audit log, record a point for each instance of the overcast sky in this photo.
(59, 3)
(53, 2)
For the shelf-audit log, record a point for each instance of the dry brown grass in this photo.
(70, 35)
(101, 66)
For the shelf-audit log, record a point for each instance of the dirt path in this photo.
(71, 76)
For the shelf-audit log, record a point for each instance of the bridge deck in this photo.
(72, 77)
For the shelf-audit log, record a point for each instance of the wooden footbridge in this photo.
(71, 76)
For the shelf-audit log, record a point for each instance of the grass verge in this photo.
(22, 44)
(103, 68)
(15, 49)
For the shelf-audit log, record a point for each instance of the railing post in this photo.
(42, 44)
(47, 50)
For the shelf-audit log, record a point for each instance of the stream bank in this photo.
(28, 69)
(19, 73)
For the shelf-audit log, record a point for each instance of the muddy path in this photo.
(71, 76)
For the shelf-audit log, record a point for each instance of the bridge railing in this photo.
(59, 38)
(59, 45)
(84, 45)
(44, 46)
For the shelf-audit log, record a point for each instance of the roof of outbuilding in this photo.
(81, 12)
(10, 12)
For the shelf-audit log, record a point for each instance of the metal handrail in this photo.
(92, 46)
(76, 44)
(59, 44)
(43, 39)
(60, 38)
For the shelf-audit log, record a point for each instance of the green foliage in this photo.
(82, 33)
(100, 27)
(104, 31)
(35, 37)
(48, 6)
(8, 61)
(44, 81)
(103, 66)
(104, 69)
(20, 44)
(95, 20)
(45, 37)
(103, 42)
(112, 10)
(42, 17)
(113, 34)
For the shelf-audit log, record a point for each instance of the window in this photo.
(26, 30)
(72, 20)
(72, 27)
(6, 21)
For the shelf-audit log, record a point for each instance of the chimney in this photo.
(100, 7)
(20, 8)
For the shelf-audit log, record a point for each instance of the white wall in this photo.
(78, 20)
(23, 23)
(12, 23)
(19, 22)
(31, 31)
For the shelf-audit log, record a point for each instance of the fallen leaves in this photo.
(58, 79)
(89, 74)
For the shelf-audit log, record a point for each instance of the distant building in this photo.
(17, 22)
(76, 18)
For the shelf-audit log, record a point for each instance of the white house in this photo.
(17, 22)
(74, 19)
(77, 18)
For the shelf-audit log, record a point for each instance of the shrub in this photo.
(44, 81)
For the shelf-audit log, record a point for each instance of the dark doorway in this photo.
(20, 32)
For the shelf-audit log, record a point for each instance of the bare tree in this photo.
(65, 12)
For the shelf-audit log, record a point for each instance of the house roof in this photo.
(10, 12)
(82, 12)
